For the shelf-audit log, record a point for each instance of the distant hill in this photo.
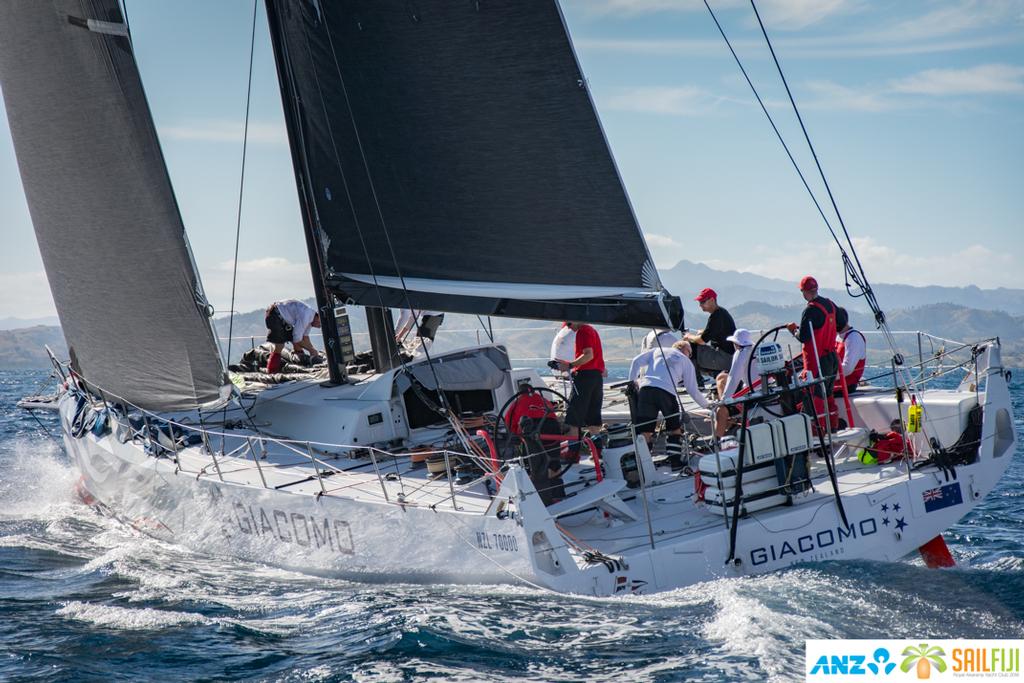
(24, 348)
(756, 302)
(687, 278)
(18, 323)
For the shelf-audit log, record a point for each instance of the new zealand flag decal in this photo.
(943, 497)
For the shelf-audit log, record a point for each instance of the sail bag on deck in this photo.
(111, 237)
(452, 159)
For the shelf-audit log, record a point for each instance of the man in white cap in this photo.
(729, 382)
(660, 337)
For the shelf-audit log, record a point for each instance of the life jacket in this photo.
(853, 379)
(824, 337)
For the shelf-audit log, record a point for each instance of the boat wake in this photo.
(71, 579)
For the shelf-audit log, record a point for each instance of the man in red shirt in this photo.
(587, 393)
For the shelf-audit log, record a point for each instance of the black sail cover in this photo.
(453, 156)
(105, 217)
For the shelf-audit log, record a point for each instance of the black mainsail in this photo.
(450, 157)
(108, 226)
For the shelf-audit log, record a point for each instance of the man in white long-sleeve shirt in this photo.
(665, 369)
(852, 348)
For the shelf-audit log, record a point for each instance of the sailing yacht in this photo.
(439, 149)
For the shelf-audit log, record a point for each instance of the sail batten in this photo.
(456, 143)
(112, 240)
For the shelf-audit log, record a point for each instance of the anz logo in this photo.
(854, 665)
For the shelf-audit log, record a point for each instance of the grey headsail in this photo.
(451, 150)
(112, 240)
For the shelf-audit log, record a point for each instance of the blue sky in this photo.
(915, 109)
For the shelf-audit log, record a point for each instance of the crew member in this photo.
(660, 337)
(743, 372)
(665, 369)
(712, 351)
(817, 333)
(885, 447)
(563, 346)
(852, 349)
(587, 395)
(430, 321)
(290, 321)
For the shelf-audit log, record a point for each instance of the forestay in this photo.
(112, 239)
(452, 155)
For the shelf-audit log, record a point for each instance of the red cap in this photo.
(808, 282)
(705, 294)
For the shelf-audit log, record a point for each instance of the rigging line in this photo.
(810, 146)
(775, 128)
(807, 137)
(241, 182)
(868, 293)
(380, 214)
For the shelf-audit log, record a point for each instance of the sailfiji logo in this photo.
(905, 660)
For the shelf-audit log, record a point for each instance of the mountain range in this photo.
(687, 278)
(756, 302)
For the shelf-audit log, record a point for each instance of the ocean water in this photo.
(85, 598)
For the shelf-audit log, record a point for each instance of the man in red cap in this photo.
(712, 350)
(817, 333)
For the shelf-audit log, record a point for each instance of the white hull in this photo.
(351, 532)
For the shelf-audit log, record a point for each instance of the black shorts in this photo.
(651, 401)
(278, 331)
(429, 325)
(585, 399)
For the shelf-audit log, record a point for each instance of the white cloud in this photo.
(660, 241)
(987, 79)
(793, 15)
(684, 100)
(964, 25)
(779, 14)
(226, 131)
(956, 18)
(26, 295)
(260, 282)
(665, 251)
(973, 264)
(829, 95)
(924, 88)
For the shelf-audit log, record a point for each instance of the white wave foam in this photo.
(129, 618)
(38, 481)
(748, 624)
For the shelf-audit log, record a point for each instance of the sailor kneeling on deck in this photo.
(886, 447)
(290, 321)
(665, 369)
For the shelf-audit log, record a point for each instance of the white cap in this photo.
(741, 337)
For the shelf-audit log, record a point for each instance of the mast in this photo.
(382, 338)
(310, 219)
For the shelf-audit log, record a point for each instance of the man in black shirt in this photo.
(712, 350)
